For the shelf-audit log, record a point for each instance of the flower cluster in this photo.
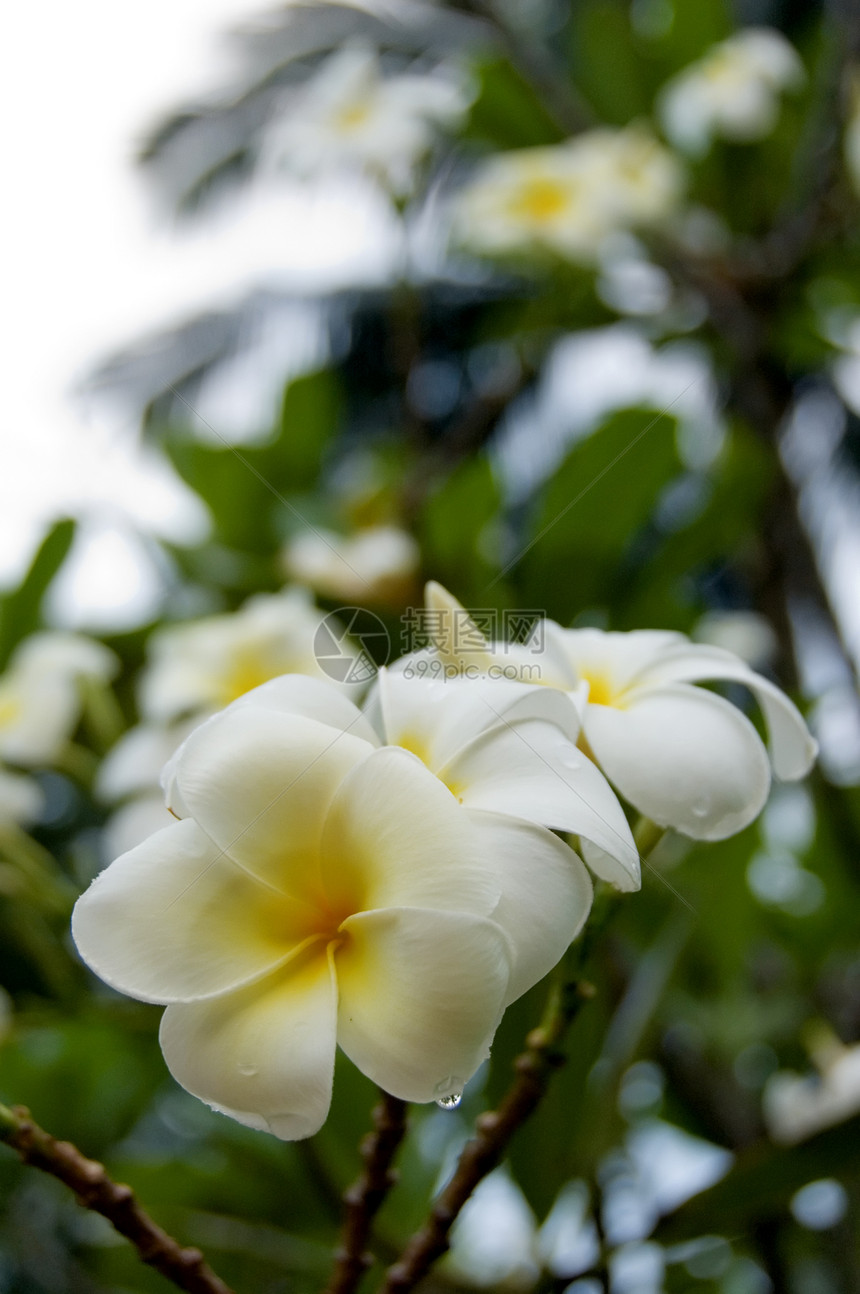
(388, 878)
(42, 695)
(732, 92)
(350, 115)
(566, 199)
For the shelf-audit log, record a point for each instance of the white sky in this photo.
(88, 265)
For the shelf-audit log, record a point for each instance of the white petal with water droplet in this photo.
(683, 757)
(421, 994)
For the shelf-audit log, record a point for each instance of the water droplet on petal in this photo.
(450, 1102)
(248, 1071)
(700, 809)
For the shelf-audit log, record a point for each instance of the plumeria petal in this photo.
(530, 770)
(684, 757)
(395, 836)
(421, 994)
(616, 660)
(312, 698)
(436, 718)
(792, 747)
(174, 920)
(546, 894)
(259, 783)
(264, 1054)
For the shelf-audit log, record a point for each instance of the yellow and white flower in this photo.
(375, 564)
(41, 693)
(350, 115)
(566, 199)
(732, 92)
(203, 665)
(320, 891)
(683, 756)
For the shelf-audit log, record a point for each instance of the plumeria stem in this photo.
(495, 1128)
(364, 1197)
(93, 1188)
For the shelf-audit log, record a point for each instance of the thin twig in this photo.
(494, 1130)
(364, 1197)
(186, 1268)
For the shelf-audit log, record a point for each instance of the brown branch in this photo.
(94, 1190)
(494, 1130)
(364, 1197)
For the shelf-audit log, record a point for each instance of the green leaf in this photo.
(20, 610)
(455, 530)
(582, 547)
(311, 414)
(606, 64)
(253, 492)
(507, 112)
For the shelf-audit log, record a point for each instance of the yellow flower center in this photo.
(247, 670)
(10, 708)
(601, 688)
(352, 116)
(541, 200)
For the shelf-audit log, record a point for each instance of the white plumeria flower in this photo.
(204, 665)
(497, 745)
(732, 92)
(567, 198)
(349, 114)
(41, 693)
(682, 756)
(321, 891)
(797, 1106)
(21, 800)
(376, 564)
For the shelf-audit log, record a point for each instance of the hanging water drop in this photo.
(450, 1102)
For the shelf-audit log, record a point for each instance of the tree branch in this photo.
(364, 1197)
(186, 1268)
(494, 1130)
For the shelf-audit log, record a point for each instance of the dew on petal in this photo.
(450, 1102)
(247, 1070)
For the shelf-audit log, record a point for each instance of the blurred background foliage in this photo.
(662, 437)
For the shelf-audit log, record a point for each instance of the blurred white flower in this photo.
(732, 92)
(350, 114)
(744, 633)
(203, 665)
(567, 198)
(321, 891)
(376, 564)
(796, 1107)
(493, 1243)
(41, 693)
(681, 755)
(21, 800)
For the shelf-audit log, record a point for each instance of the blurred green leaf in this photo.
(20, 610)
(581, 552)
(605, 62)
(507, 112)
